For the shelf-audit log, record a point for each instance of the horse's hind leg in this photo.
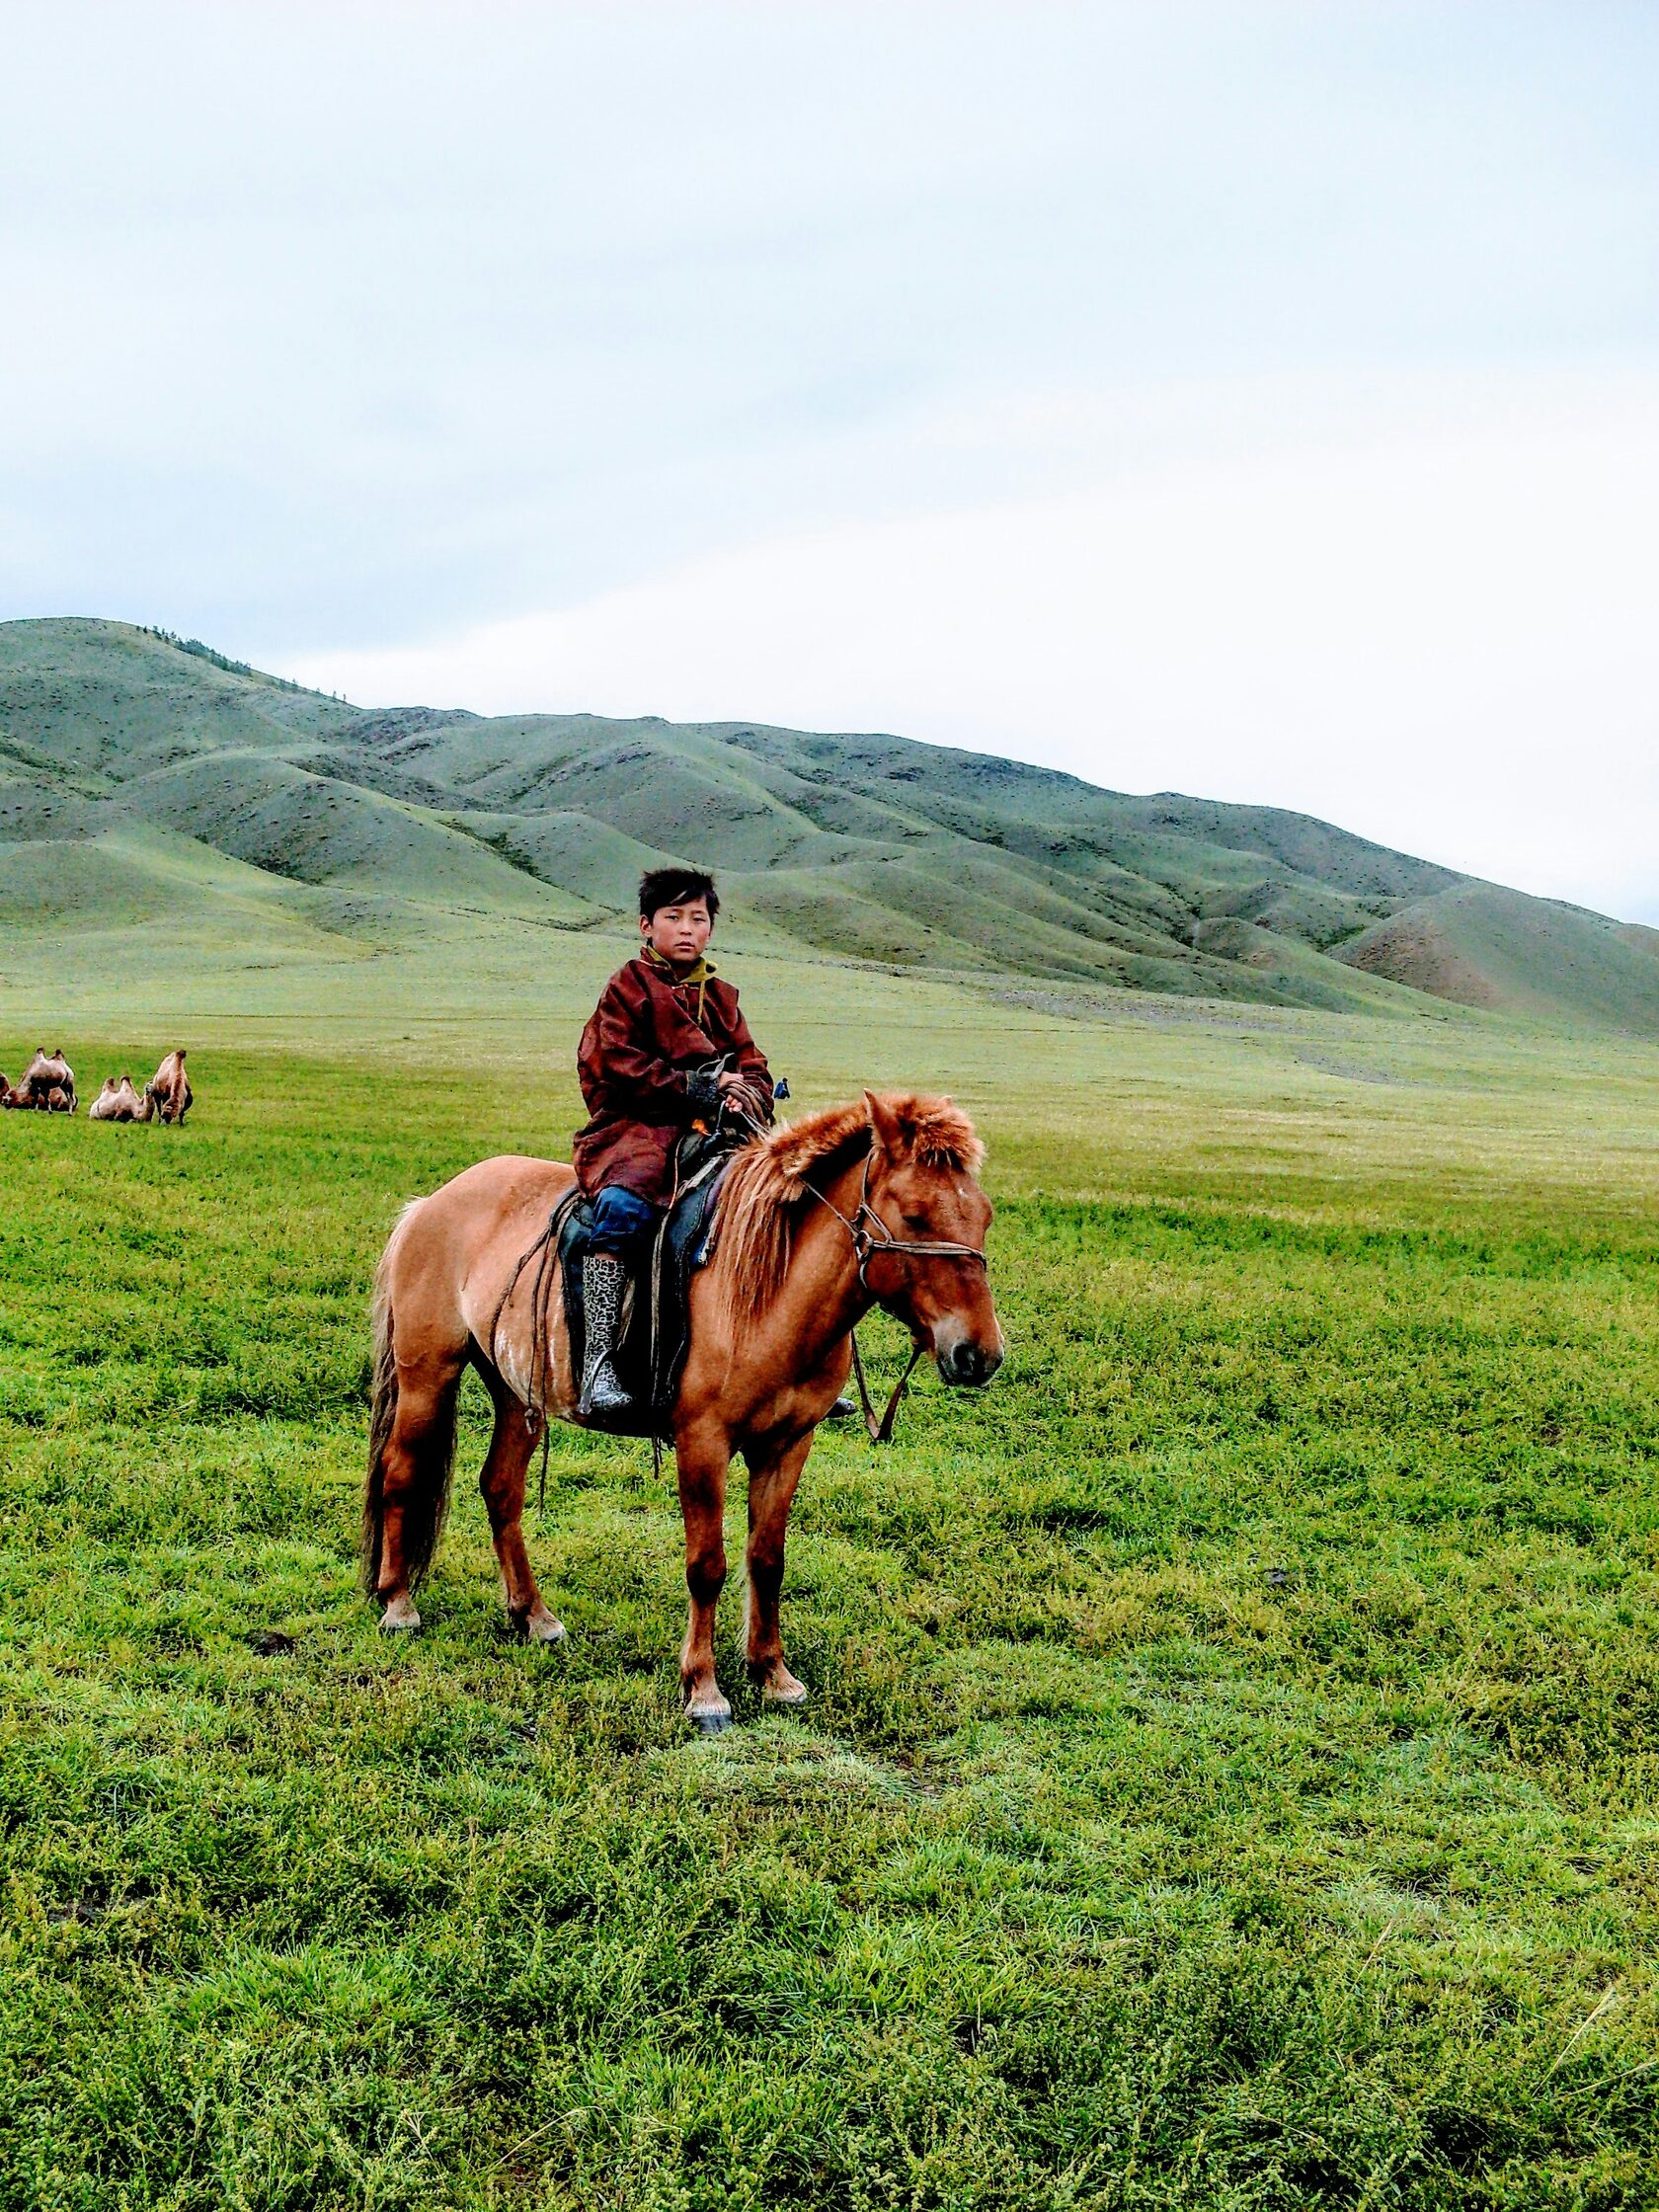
(702, 1468)
(413, 1487)
(502, 1482)
(773, 1477)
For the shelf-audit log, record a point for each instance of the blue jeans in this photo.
(622, 1221)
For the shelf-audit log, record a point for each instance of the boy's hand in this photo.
(737, 1093)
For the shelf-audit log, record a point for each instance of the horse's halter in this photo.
(869, 1233)
(871, 1236)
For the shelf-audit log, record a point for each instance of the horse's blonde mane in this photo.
(770, 1184)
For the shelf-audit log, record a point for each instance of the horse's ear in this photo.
(890, 1138)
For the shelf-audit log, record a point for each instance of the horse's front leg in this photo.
(773, 1472)
(702, 1464)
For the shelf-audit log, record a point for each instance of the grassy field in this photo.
(1233, 1774)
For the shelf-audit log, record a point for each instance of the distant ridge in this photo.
(138, 770)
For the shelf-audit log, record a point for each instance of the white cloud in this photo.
(345, 325)
(1426, 618)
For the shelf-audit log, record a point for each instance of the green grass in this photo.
(1232, 1771)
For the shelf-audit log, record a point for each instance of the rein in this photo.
(881, 1432)
(541, 1294)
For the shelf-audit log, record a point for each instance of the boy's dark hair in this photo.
(676, 886)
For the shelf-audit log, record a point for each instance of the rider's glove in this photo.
(702, 1087)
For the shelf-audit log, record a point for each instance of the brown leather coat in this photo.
(641, 1044)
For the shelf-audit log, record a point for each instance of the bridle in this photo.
(871, 1236)
(871, 1240)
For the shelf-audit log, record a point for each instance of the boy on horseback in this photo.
(666, 1048)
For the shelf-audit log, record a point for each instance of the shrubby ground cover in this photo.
(1232, 1773)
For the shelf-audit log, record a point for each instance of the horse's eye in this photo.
(916, 1220)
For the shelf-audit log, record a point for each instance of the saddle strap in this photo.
(880, 1431)
(545, 1247)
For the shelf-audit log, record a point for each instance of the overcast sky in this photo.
(1254, 400)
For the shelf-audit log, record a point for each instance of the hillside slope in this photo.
(1485, 946)
(124, 754)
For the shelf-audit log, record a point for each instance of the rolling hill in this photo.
(148, 785)
(1485, 946)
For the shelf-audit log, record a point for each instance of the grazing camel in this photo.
(47, 1073)
(168, 1094)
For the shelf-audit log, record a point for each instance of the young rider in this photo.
(666, 1045)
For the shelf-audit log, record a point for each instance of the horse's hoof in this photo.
(786, 1694)
(543, 1628)
(400, 1617)
(710, 1720)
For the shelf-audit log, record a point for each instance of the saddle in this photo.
(656, 1332)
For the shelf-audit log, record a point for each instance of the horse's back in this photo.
(489, 1200)
(453, 1253)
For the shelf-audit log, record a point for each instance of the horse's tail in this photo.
(425, 1496)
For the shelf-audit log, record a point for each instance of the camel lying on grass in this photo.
(119, 1102)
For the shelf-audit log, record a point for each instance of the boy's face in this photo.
(679, 933)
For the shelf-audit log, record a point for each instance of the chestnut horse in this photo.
(874, 1204)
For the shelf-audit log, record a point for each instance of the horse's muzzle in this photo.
(966, 1364)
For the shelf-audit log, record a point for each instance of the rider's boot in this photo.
(602, 1279)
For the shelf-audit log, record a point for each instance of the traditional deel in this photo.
(638, 1066)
